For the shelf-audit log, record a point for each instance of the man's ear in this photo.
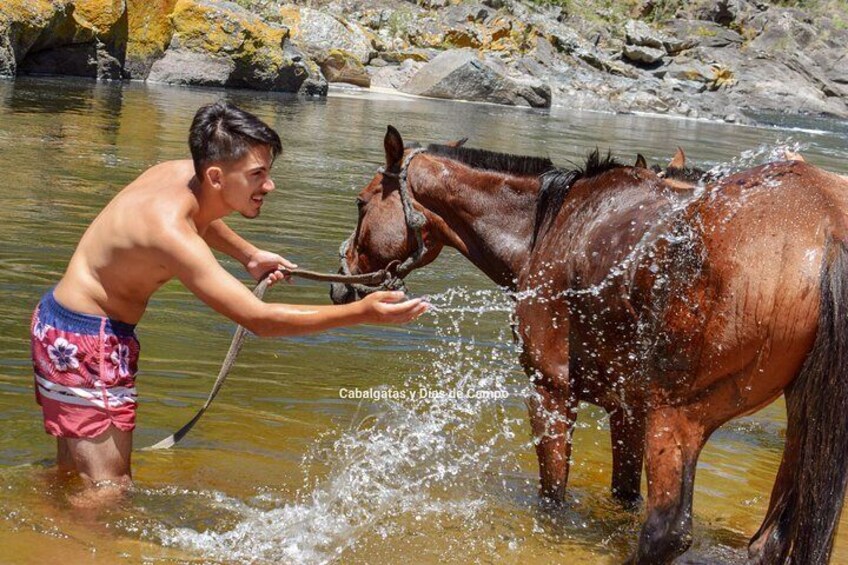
(215, 176)
(393, 144)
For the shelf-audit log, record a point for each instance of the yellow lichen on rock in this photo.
(150, 32)
(289, 16)
(213, 27)
(99, 15)
(24, 11)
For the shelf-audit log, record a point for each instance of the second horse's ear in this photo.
(679, 160)
(457, 143)
(393, 144)
(641, 163)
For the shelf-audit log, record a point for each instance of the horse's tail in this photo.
(818, 404)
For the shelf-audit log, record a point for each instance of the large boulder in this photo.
(149, 34)
(79, 37)
(22, 22)
(394, 76)
(340, 66)
(219, 43)
(318, 33)
(463, 74)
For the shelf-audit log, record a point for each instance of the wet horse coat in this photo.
(675, 312)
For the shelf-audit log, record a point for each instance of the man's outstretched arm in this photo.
(257, 262)
(194, 264)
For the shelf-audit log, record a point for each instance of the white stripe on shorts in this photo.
(116, 396)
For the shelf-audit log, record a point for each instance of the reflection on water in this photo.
(282, 467)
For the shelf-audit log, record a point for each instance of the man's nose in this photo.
(268, 186)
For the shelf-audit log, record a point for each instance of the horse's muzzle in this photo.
(342, 293)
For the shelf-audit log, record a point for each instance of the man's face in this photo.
(244, 183)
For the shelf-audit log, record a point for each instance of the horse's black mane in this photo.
(556, 184)
(492, 161)
(685, 174)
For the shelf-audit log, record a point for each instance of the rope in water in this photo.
(380, 279)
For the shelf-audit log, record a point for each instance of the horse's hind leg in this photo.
(552, 416)
(627, 433)
(673, 442)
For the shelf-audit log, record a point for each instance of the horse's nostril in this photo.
(341, 293)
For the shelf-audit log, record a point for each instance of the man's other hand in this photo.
(391, 307)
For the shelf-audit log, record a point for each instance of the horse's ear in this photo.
(679, 160)
(457, 143)
(393, 144)
(641, 163)
(792, 156)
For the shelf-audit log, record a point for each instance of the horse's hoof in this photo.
(629, 501)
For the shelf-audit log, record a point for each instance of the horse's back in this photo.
(753, 302)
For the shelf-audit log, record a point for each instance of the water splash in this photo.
(426, 454)
(762, 154)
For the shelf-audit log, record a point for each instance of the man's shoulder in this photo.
(181, 169)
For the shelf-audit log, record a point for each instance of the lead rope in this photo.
(383, 278)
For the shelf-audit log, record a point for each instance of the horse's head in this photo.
(393, 231)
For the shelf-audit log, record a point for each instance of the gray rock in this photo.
(462, 74)
(785, 87)
(783, 30)
(640, 54)
(685, 70)
(184, 67)
(318, 32)
(704, 33)
(639, 33)
(724, 12)
(834, 64)
(394, 76)
(8, 64)
(675, 45)
(416, 54)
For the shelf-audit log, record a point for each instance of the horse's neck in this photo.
(488, 217)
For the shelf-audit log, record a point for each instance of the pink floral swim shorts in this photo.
(85, 370)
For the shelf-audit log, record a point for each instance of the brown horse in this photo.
(675, 310)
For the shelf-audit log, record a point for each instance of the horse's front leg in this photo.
(627, 432)
(552, 416)
(673, 443)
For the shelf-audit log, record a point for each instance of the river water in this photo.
(286, 467)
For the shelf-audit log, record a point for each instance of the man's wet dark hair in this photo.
(225, 132)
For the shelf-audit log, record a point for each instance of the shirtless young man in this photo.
(162, 226)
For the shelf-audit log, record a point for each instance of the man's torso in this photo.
(120, 261)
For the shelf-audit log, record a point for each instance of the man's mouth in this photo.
(257, 200)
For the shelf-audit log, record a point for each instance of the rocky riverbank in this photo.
(714, 59)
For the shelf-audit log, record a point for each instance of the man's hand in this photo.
(391, 308)
(261, 262)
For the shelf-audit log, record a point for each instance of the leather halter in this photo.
(415, 221)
